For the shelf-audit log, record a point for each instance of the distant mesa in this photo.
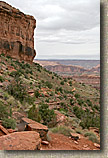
(16, 33)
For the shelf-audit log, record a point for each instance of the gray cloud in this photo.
(64, 22)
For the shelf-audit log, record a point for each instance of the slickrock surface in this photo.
(28, 140)
(16, 33)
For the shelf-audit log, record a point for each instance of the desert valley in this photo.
(44, 105)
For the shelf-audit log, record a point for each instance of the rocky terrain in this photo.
(16, 33)
(40, 110)
(65, 108)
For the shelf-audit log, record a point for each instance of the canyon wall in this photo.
(16, 33)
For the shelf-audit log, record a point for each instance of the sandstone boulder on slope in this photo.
(29, 140)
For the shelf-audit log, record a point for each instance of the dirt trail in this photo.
(61, 142)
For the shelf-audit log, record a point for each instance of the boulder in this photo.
(29, 140)
(35, 126)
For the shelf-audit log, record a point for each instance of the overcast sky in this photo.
(65, 28)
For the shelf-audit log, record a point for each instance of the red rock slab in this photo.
(3, 130)
(37, 126)
(34, 124)
(28, 140)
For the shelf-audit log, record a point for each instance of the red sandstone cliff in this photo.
(16, 33)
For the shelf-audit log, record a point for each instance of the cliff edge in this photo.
(16, 33)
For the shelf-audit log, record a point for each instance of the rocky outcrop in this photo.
(31, 125)
(16, 33)
(29, 140)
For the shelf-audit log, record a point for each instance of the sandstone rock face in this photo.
(28, 140)
(16, 33)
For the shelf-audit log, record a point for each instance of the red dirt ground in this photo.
(61, 142)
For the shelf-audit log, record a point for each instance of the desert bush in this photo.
(89, 102)
(62, 130)
(48, 84)
(36, 93)
(47, 100)
(33, 114)
(18, 90)
(92, 136)
(80, 101)
(48, 116)
(90, 120)
(3, 111)
(62, 82)
(79, 131)
(79, 112)
(71, 101)
(94, 139)
(65, 96)
(1, 79)
(70, 82)
(97, 107)
(65, 80)
(9, 123)
(59, 89)
(77, 95)
(52, 77)
(16, 73)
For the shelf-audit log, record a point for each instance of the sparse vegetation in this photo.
(61, 130)
(38, 92)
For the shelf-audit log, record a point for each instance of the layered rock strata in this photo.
(16, 33)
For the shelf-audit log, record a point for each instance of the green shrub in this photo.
(89, 134)
(97, 107)
(77, 95)
(9, 123)
(92, 136)
(47, 100)
(62, 130)
(90, 120)
(48, 84)
(36, 93)
(1, 79)
(89, 102)
(48, 116)
(3, 111)
(65, 96)
(52, 77)
(79, 131)
(18, 90)
(71, 101)
(62, 82)
(59, 90)
(80, 101)
(94, 139)
(16, 74)
(79, 112)
(65, 80)
(33, 114)
(70, 82)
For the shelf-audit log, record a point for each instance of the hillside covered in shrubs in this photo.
(42, 96)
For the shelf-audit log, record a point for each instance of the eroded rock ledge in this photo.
(16, 33)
